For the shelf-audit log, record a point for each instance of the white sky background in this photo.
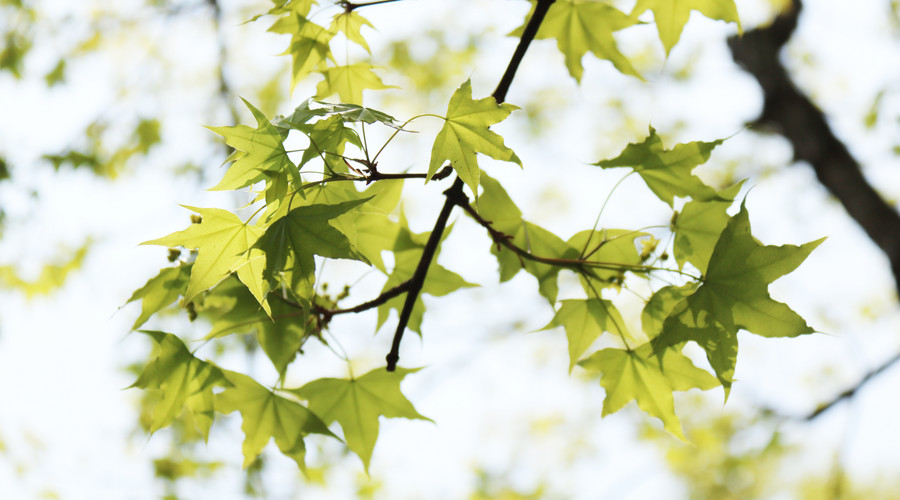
(67, 423)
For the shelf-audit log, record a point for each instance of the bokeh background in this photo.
(102, 107)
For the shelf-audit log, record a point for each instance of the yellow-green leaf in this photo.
(267, 415)
(160, 291)
(183, 380)
(582, 26)
(465, 132)
(584, 321)
(350, 24)
(671, 15)
(348, 82)
(638, 375)
(356, 404)
(667, 172)
(258, 151)
(224, 243)
(734, 295)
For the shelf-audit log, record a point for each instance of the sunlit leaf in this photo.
(267, 415)
(465, 133)
(357, 403)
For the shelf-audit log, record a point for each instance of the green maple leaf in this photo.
(356, 113)
(160, 291)
(584, 321)
(281, 331)
(259, 152)
(350, 24)
(466, 132)
(638, 375)
(309, 49)
(267, 415)
(303, 232)
(612, 250)
(734, 295)
(667, 172)
(439, 281)
(327, 140)
(349, 81)
(582, 26)
(183, 380)
(225, 244)
(660, 306)
(356, 404)
(495, 205)
(698, 226)
(672, 15)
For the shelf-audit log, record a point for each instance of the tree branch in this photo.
(849, 393)
(793, 115)
(455, 193)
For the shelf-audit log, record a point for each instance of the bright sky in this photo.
(67, 425)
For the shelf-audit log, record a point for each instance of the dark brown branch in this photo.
(849, 393)
(582, 265)
(350, 6)
(793, 115)
(455, 193)
(365, 306)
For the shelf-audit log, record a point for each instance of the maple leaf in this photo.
(466, 132)
(267, 415)
(660, 306)
(667, 172)
(584, 321)
(612, 249)
(328, 139)
(582, 26)
(697, 228)
(224, 243)
(309, 47)
(734, 295)
(303, 232)
(356, 404)
(495, 206)
(160, 291)
(671, 16)
(349, 81)
(350, 24)
(281, 331)
(638, 375)
(259, 151)
(183, 380)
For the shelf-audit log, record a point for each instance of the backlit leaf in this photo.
(465, 132)
(349, 81)
(183, 380)
(582, 26)
(224, 243)
(638, 375)
(356, 404)
(262, 148)
(734, 295)
(305, 231)
(667, 172)
(160, 291)
(671, 15)
(584, 321)
(267, 415)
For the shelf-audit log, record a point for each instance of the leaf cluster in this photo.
(330, 199)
